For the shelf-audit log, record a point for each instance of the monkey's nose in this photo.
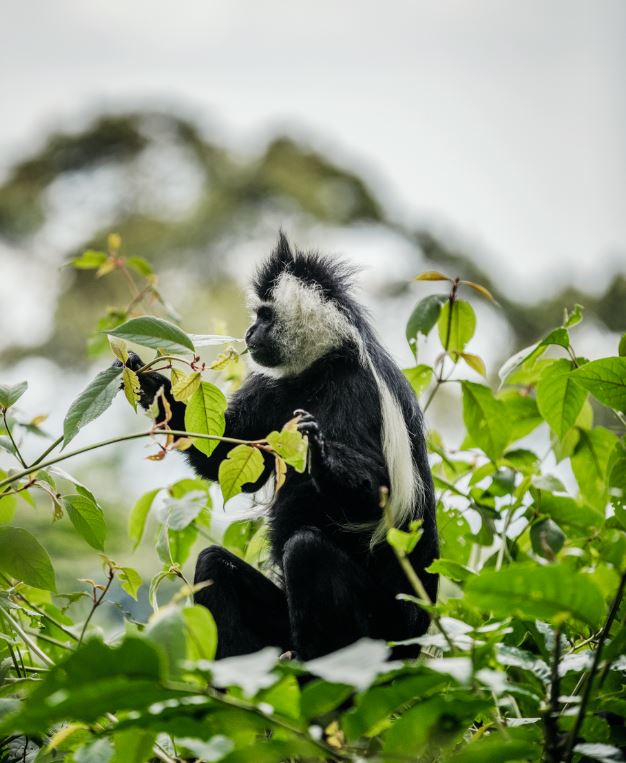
(249, 337)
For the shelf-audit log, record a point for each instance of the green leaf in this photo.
(451, 569)
(8, 504)
(320, 697)
(376, 706)
(92, 402)
(432, 275)
(87, 518)
(130, 581)
(566, 512)
(139, 265)
(402, 541)
(521, 411)
(90, 682)
(24, 558)
(178, 513)
(205, 415)
(590, 463)
(139, 515)
(622, 347)
(119, 348)
(291, 446)
(200, 633)
(456, 327)
(546, 538)
(156, 333)
(418, 377)
(89, 260)
(243, 465)
(424, 317)
(573, 318)
(10, 395)
(100, 751)
(486, 419)
(133, 745)
(132, 387)
(439, 720)
(166, 629)
(559, 398)
(606, 380)
(184, 386)
(475, 362)
(495, 749)
(553, 592)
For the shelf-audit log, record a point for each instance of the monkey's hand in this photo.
(310, 428)
(150, 382)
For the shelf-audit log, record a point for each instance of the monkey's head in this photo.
(302, 310)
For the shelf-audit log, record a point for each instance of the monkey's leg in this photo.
(327, 593)
(249, 610)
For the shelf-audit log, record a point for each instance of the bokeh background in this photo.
(482, 138)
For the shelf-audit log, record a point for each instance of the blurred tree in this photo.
(175, 195)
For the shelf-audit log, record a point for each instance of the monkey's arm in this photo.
(343, 472)
(240, 422)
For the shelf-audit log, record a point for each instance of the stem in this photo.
(49, 450)
(8, 428)
(27, 639)
(504, 547)
(446, 344)
(158, 359)
(123, 438)
(571, 740)
(97, 601)
(551, 753)
(414, 580)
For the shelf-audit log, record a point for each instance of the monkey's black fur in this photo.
(335, 587)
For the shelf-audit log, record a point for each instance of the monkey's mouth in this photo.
(264, 355)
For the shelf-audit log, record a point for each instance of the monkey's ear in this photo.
(283, 252)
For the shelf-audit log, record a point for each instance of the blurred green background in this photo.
(482, 139)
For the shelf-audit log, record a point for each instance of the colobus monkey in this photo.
(314, 353)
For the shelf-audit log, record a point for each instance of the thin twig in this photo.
(552, 751)
(97, 601)
(571, 740)
(123, 438)
(412, 577)
(47, 451)
(8, 428)
(26, 638)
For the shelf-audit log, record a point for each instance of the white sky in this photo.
(505, 119)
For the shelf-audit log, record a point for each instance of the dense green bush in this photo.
(525, 657)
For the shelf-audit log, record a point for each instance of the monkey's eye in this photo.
(265, 313)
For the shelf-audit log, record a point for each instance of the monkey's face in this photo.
(263, 340)
(295, 327)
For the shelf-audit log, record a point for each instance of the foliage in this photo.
(525, 658)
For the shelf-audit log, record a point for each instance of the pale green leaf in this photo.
(243, 465)
(24, 558)
(205, 415)
(139, 515)
(156, 333)
(91, 402)
(559, 398)
(456, 325)
(606, 380)
(553, 592)
(87, 518)
(418, 377)
(486, 419)
(9, 395)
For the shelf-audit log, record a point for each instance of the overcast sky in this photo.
(506, 120)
